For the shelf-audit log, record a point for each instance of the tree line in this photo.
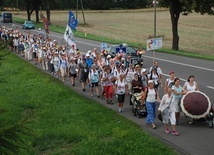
(71, 4)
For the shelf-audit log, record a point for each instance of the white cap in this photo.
(87, 55)
(143, 70)
(89, 51)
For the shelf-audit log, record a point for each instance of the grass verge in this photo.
(61, 29)
(66, 122)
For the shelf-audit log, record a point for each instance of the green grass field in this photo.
(135, 26)
(65, 122)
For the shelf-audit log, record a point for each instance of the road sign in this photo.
(103, 46)
(121, 49)
(152, 44)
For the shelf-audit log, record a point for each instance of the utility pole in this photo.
(82, 12)
(17, 6)
(77, 8)
(155, 11)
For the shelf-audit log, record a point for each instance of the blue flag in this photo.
(72, 21)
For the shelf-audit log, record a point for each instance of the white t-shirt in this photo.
(155, 78)
(159, 71)
(56, 60)
(121, 86)
(117, 73)
(129, 75)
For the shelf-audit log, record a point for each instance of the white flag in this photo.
(69, 37)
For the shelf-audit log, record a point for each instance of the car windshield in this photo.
(29, 22)
(130, 51)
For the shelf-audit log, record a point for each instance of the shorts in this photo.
(73, 75)
(167, 115)
(94, 84)
(120, 98)
(35, 55)
(84, 77)
(63, 71)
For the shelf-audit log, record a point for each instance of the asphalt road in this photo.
(194, 139)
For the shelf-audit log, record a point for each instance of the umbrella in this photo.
(195, 104)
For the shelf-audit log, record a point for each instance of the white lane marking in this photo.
(183, 64)
(179, 77)
(210, 87)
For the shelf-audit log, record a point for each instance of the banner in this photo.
(69, 37)
(72, 21)
(153, 44)
(45, 22)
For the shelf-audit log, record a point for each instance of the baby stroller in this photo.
(197, 107)
(138, 109)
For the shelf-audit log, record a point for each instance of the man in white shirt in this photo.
(159, 71)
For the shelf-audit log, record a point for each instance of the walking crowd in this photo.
(103, 75)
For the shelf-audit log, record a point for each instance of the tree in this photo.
(28, 9)
(176, 7)
(47, 8)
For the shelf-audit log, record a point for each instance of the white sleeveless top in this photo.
(189, 87)
(169, 81)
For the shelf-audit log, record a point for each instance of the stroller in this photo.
(197, 107)
(138, 109)
(208, 119)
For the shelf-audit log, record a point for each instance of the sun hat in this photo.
(87, 55)
(150, 81)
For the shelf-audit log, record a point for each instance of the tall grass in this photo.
(66, 122)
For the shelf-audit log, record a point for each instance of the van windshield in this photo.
(7, 14)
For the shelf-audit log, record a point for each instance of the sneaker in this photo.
(175, 133)
(83, 90)
(178, 123)
(167, 131)
(107, 102)
(120, 110)
(110, 101)
(92, 95)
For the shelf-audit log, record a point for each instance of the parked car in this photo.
(6, 17)
(28, 25)
(129, 51)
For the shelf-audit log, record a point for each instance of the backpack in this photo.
(152, 74)
(171, 84)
